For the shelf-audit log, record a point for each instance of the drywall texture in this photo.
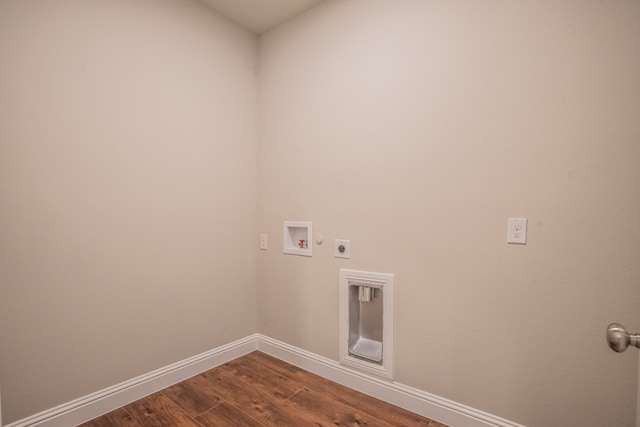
(415, 129)
(127, 192)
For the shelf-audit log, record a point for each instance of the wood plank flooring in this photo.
(259, 390)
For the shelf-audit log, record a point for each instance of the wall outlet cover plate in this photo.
(342, 248)
(517, 230)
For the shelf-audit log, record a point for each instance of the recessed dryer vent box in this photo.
(366, 321)
(297, 238)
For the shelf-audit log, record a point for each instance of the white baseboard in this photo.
(91, 406)
(103, 401)
(428, 405)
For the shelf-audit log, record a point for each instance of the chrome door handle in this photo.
(619, 339)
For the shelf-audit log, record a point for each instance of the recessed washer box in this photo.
(297, 238)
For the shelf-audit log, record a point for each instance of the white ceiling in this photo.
(259, 16)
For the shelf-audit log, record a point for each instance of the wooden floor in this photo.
(259, 390)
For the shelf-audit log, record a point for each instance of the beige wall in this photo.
(415, 128)
(127, 192)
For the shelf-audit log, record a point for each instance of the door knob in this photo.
(619, 339)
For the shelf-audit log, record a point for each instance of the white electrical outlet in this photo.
(263, 241)
(517, 230)
(342, 248)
